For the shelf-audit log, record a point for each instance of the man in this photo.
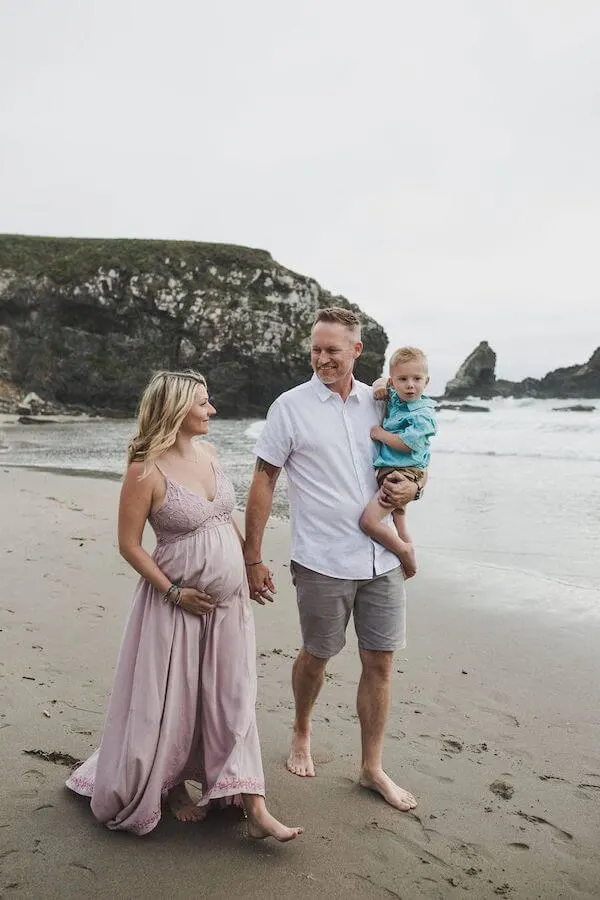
(320, 433)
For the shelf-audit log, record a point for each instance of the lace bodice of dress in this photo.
(183, 512)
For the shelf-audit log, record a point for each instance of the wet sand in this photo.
(494, 727)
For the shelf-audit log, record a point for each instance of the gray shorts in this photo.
(325, 604)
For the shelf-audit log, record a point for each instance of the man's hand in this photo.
(261, 584)
(396, 491)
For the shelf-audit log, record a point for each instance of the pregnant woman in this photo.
(183, 701)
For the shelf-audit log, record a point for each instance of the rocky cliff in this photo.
(477, 378)
(85, 322)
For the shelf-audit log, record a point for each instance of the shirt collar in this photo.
(424, 402)
(324, 393)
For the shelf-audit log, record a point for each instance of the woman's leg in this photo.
(261, 824)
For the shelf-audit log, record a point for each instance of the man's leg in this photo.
(373, 706)
(308, 674)
(380, 622)
(324, 606)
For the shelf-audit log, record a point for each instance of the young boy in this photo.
(408, 426)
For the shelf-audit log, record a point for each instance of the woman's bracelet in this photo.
(253, 564)
(173, 590)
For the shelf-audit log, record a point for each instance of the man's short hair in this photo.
(408, 354)
(340, 315)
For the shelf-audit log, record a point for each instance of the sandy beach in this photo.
(494, 727)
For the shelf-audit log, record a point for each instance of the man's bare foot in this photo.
(183, 807)
(391, 793)
(263, 825)
(408, 558)
(299, 762)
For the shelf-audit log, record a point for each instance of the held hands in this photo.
(198, 603)
(261, 584)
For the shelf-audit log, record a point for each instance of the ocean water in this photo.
(514, 489)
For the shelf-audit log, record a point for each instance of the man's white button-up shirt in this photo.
(324, 445)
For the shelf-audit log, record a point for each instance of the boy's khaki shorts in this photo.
(410, 472)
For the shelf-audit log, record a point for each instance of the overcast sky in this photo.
(435, 162)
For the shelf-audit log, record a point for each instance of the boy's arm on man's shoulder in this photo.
(380, 388)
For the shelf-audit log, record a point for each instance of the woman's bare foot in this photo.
(408, 559)
(261, 824)
(391, 793)
(300, 762)
(183, 807)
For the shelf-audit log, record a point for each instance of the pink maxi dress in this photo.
(183, 701)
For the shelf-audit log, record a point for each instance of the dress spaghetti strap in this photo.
(164, 475)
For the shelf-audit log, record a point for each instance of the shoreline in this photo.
(494, 727)
(69, 472)
(547, 591)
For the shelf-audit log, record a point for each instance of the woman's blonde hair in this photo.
(164, 405)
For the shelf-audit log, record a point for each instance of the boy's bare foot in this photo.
(391, 793)
(263, 825)
(408, 559)
(183, 807)
(299, 761)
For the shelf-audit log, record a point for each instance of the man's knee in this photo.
(311, 664)
(377, 664)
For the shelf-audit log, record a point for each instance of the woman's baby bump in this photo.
(223, 572)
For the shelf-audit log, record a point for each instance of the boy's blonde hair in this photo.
(164, 405)
(408, 354)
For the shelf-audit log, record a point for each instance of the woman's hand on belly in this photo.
(198, 603)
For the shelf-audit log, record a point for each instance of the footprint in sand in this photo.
(35, 775)
(502, 789)
(451, 744)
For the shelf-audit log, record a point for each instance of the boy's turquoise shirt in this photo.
(414, 423)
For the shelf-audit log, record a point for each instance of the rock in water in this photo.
(476, 377)
(464, 407)
(577, 407)
(86, 322)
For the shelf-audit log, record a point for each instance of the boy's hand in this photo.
(377, 433)
(380, 389)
